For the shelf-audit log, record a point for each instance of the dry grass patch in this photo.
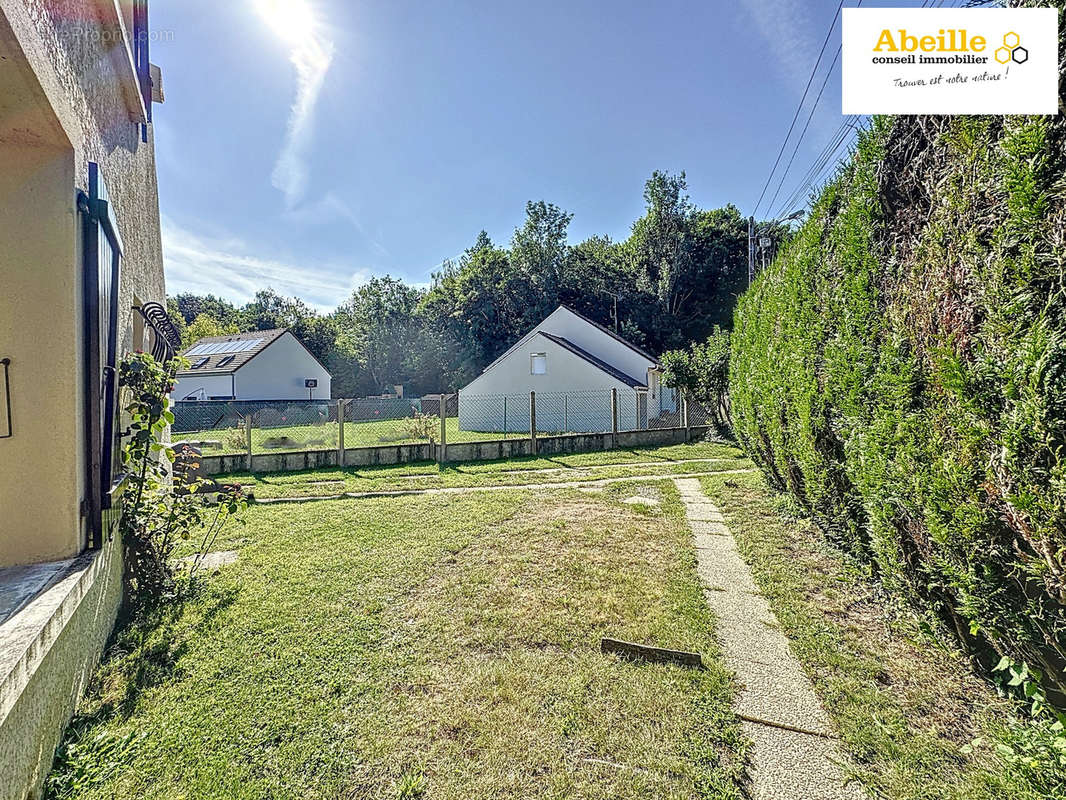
(421, 647)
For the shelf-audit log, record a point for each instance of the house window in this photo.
(538, 364)
(200, 363)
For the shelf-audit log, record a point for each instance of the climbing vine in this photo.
(164, 505)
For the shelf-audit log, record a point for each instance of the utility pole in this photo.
(751, 250)
(614, 297)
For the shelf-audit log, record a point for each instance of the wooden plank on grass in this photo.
(657, 655)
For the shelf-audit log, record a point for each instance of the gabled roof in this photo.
(583, 318)
(236, 347)
(599, 364)
(613, 335)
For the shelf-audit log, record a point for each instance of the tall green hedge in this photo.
(901, 369)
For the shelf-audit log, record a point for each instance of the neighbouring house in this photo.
(261, 365)
(573, 364)
(81, 283)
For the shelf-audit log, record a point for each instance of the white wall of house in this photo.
(279, 372)
(586, 409)
(203, 387)
(565, 323)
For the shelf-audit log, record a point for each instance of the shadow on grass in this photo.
(143, 653)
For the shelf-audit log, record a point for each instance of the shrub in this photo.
(421, 426)
(901, 370)
(702, 372)
(157, 515)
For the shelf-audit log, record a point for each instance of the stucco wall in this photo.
(278, 373)
(38, 697)
(65, 101)
(587, 410)
(212, 386)
(565, 323)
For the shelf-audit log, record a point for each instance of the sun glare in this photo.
(292, 20)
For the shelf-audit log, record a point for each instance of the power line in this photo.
(807, 124)
(799, 108)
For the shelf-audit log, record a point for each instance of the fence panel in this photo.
(284, 426)
(215, 426)
(218, 426)
(372, 422)
(574, 412)
(698, 414)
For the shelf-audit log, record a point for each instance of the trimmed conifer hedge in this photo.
(901, 370)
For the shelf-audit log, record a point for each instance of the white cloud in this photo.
(312, 59)
(296, 23)
(227, 267)
(787, 29)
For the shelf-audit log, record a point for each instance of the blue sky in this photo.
(383, 142)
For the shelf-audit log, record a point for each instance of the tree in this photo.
(190, 306)
(702, 372)
(378, 329)
(479, 304)
(270, 310)
(661, 242)
(539, 254)
(202, 327)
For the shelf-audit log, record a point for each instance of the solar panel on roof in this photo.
(215, 348)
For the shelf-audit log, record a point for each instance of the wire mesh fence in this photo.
(230, 427)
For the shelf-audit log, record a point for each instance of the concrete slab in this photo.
(715, 545)
(752, 640)
(732, 604)
(794, 756)
(19, 585)
(212, 562)
(794, 766)
(781, 695)
(710, 528)
(703, 513)
(724, 571)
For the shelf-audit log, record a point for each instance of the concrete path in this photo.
(598, 483)
(794, 755)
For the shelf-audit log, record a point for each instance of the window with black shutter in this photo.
(102, 268)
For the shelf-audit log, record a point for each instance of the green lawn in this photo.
(674, 460)
(431, 646)
(903, 699)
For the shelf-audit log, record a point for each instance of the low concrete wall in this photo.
(458, 452)
(61, 634)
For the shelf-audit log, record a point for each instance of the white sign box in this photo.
(950, 61)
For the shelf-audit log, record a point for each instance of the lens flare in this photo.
(292, 20)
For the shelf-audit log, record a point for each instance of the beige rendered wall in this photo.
(38, 328)
(66, 99)
(38, 697)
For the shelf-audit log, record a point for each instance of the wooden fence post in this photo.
(533, 421)
(614, 418)
(340, 432)
(248, 437)
(684, 416)
(442, 447)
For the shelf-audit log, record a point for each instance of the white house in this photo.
(572, 363)
(261, 365)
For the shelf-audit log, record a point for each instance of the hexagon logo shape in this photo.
(1003, 55)
(1020, 55)
(1011, 40)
